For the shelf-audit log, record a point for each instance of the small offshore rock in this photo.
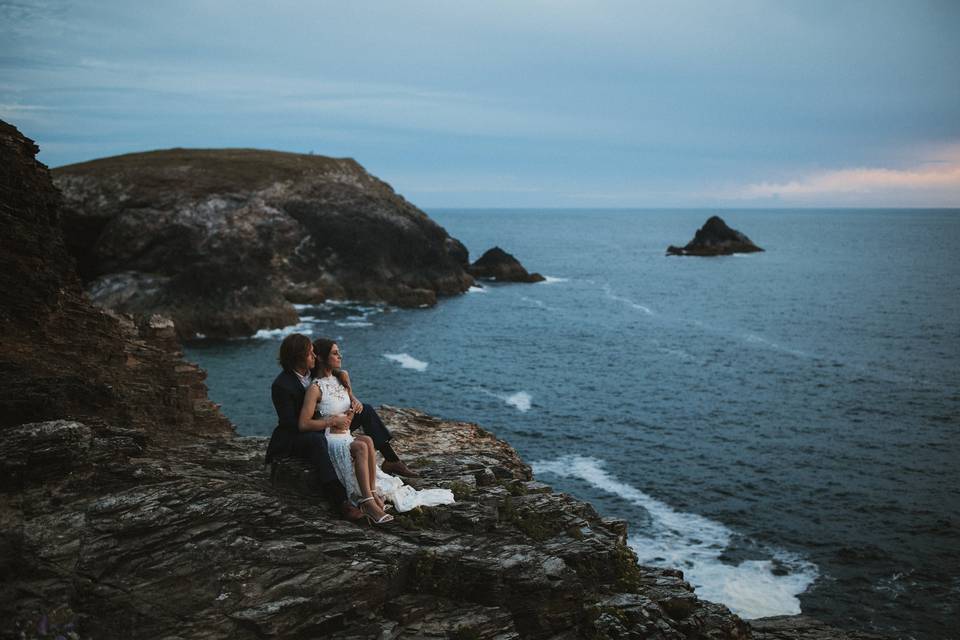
(503, 267)
(715, 238)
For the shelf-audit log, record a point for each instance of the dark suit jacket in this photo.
(287, 394)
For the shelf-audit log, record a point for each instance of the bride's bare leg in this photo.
(372, 467)
(358, 449)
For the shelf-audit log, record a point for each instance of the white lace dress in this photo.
(334, 401)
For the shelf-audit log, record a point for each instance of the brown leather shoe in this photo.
(351, 513)
(399, 469)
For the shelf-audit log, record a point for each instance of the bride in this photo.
(354, 457)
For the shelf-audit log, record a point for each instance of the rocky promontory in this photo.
(715, 238)
(497, 264)
(130, 509)
(224, 240)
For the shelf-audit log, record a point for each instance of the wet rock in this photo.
(715, 238)
(223, 241)
(499, 265)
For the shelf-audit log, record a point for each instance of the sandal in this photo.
(375, 521)
(384, 506)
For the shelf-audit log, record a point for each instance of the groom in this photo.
(297, 360)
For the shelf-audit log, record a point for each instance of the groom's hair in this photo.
(293, 351)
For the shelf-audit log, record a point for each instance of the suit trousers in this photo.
(372, 426)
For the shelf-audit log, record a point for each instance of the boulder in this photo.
(715, 238)
(224, 240)
(497, 264)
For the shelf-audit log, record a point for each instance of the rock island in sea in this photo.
(715, 238)
(131, 509)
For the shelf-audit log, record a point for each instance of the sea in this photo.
(782, 426)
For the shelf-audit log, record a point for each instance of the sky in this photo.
(515, 103)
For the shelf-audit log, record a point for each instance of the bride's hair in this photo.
(322, 348)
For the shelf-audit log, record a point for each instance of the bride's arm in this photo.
(308, 423)
(344, 378)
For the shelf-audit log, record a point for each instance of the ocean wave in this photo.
(283, 332)
(538, 303)
(476, 289)
(608, 291)
(553, 280)
(353, 323)
(407, 361)
(753, 338)
(694, 543)
(521, 400)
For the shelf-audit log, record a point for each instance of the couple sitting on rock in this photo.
(317, 413)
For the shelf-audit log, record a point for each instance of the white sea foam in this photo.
(476, 289)
(612, 296)
(302, 307)
(753, 338)
(406, 361)
(353, 323)
(694, 543)
(521, 400)
(539, 303)
(552, 280)
(283, 332)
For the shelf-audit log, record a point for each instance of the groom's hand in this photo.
(341, 424)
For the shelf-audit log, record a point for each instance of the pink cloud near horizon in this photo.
(929, 185)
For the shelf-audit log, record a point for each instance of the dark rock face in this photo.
(715, 238)
(59, 356)
(501, 266)
(224, 240)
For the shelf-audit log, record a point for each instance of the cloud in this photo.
(934, 183)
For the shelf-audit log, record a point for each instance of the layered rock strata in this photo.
(715, 238)
(224, 240)
(195, 541)
(497, 264)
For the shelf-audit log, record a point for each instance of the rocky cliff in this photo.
(130, 509)
(59, 356)
(223, 240)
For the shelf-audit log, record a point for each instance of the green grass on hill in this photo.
(202, 171)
